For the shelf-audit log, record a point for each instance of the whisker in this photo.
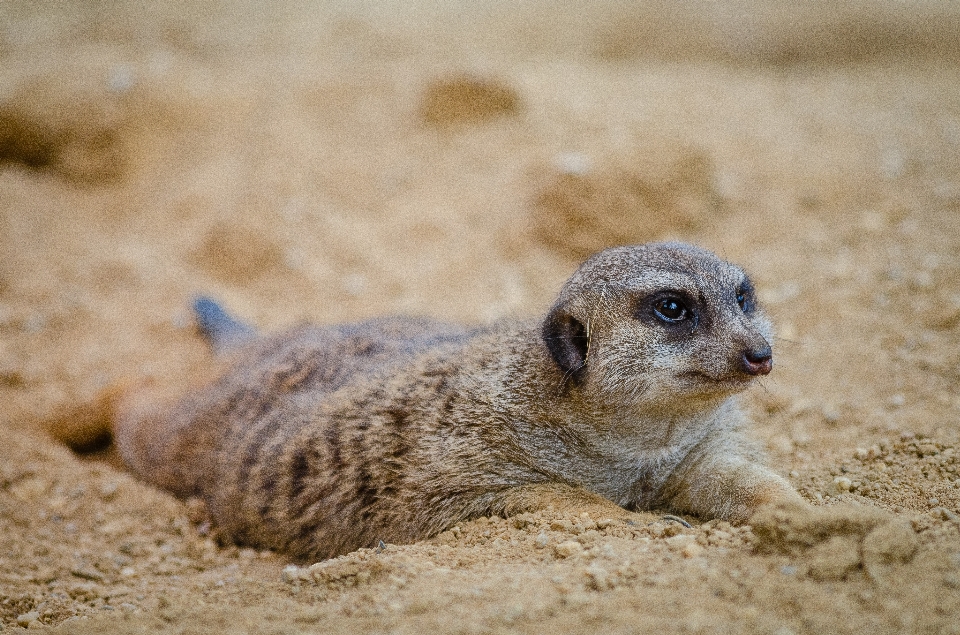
(783, 339)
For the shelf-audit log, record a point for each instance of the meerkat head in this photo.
(659, 323)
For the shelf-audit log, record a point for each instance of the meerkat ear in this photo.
(566, 338)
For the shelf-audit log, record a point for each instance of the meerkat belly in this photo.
(315, 457)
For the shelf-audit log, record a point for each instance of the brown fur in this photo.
(321, 440)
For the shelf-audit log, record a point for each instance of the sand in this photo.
(332, 162)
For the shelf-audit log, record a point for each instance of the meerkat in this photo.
(321, 440)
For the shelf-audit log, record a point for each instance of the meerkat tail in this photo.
(223, 332)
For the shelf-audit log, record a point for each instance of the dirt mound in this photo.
(782, 33)
(667, 191)
(237, 254)
(468, 99)
(73, 130)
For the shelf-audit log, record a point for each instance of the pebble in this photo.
(290, 573)
(25, 618)
(562, 525)
(568, 548)
(842, 484)
(831, 414)
(108, 490)
(573, 163)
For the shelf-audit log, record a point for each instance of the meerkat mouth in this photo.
(732, 380)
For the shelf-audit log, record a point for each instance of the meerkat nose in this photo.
(758, 361)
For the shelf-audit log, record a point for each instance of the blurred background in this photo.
(330, 161)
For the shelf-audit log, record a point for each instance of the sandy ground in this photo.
(329, 163)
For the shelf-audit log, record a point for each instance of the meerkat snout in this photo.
(758, 361)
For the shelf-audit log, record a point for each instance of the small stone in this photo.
(542, 540)
(572, 163)
(562, 525)
(25, 619)
(519, 522)
(897, 401)
(842, 484)
(107, 490)
(933, 502)
(831, 414)
(568, 549)
(290, 574)
(586, 522)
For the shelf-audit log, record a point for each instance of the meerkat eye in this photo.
(745, 299)
(671, 310)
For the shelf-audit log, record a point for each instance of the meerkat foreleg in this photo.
(717, 481)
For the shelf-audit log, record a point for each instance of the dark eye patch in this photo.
(668, 307)
(745, 296)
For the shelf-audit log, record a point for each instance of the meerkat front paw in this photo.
(731, 489)
(747, 502)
